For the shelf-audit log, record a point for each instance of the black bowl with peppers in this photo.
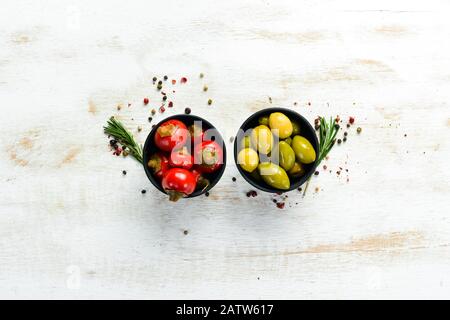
(283, 179)
(181, 148)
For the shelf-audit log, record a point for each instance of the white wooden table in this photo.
(72, 226)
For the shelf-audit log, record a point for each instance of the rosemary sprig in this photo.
(116, 129)
(327, 138)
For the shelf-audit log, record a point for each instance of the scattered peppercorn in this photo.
(124, 172)
(299, 189)
(280, 205)
(174, 81)
(345, 139)
(187, 110)
(159, 87)
(206, 194)
(170, 105)
(165, 78)
(351, 120)
(345, 133)
(185, 232)
(359, 130)
(160, 82)
(406, 135)
(324, 167)
(150, 119)
(254, 193)
(339, 141)
(209, 101)
(316, 173)
(139, 128)
(154, 79)
(143, 191)
(274, 200)
(234, 179)
(205, 88)
(113, 142)
(146, 101)
(162, 109)
(119, 107)
(164, 98)
(201, 75)
(183, 80)
(348, 125)
(153, 111)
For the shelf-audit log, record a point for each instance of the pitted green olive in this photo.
(295, 128)
(274, 176)
(297, 170)
(264, 120)
(286, 155)
(281, 124)
(304, 151)
(262, 139)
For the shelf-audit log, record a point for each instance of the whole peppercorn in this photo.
(201, 75)
(348, 125)
(124, 172)
(164, 98)
(345, 139)
(185, 232)
(206, 194)
(153, 111)
(159, 87)
(280, 205)
(146, 101)
(205, 88)
(339, 141)
(165, 78)
(143, 191)
(170, 105)
(234, 179)
(112, 142)
(174, 81)
(150, 119)
(160, 82)
(351, 120)
(316, 173)
(187, 110)
(162, 109)
(154, 79)
(345, 133)
(183, 80)
(209, 101)
(359, 130)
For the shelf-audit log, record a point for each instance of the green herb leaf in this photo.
(117, 130)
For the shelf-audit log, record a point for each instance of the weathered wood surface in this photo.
(71, 226)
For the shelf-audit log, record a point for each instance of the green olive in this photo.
(264, 120)
(297, 170)
(286, 155)
(288, 140)
(248, 159)
(262, 138)
(274, 176)
(295, 128)
(303, 149)
(281, 124)
(245, 142)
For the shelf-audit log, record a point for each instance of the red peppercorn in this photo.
(146, 101)
(162, 109)
(174, 81)
(280, 205)
(183, 80)
(170, 104)
(351, 120)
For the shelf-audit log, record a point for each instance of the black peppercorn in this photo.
(124, 172)
(234, 179)
(187, 110)
(339, 141)
(164, 98)
(154, 79)
(165, 78)
(150, 119)
(143, 191)
(207, 194)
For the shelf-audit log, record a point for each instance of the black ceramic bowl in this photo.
(306, 130)
(150, 148)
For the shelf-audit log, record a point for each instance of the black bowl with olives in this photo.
(276, 150)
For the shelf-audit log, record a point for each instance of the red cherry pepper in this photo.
(159, 164)
(181, 158)
(178, 183)
(208, 156)
(196, 133)
(171, 134)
